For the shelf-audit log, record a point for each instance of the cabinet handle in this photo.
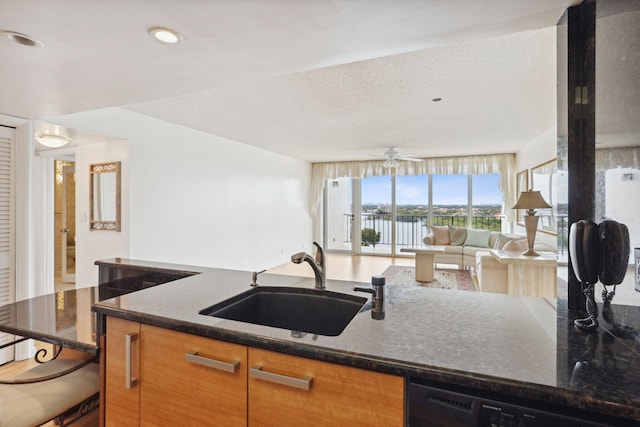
(303, 384)
(128, 340)
(193, 357)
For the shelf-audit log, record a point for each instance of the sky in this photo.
(447, 190)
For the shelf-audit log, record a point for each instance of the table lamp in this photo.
(531, 200)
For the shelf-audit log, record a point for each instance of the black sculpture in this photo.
(598, 252)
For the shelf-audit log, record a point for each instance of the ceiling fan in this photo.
(392, 156)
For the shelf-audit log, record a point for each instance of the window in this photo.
(450, 200)
(395, 211)
(486, 206)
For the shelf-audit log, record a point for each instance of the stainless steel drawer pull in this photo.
(258, 373)
(128, 340)
(231, 367)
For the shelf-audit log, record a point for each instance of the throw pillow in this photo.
(457, 235)
(477, 238)
(440, 235)
(519, 245)
(503, 240)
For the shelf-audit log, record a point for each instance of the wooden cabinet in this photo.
(122, 360)
(175, 378)
(191, 380)
(288, 390)
(156, 376)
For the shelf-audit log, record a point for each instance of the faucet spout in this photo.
(316, 264)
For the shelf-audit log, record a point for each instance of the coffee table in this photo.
(424, 261)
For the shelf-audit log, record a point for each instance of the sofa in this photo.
(461, 244)
(470, 248)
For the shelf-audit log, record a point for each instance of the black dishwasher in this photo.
(436, 407)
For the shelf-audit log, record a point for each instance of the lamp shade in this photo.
(531, 200)
(53, 141)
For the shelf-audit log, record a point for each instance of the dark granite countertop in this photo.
(500, 344)
(151, 266)
(62, 318)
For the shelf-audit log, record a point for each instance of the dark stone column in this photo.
(581, 126)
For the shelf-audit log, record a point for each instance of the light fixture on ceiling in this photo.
(437, 99)
(391, 163)
(165, 35)
(52, 141)
(22, 39)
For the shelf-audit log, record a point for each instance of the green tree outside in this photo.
(370, 237)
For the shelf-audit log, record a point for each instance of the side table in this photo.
(530, 276)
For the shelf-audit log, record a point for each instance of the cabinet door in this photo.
(122, 392)
(336, 395)
(191, 380)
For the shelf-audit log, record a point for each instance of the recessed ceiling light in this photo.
(437, 99)
(165, 35)
(22, 39)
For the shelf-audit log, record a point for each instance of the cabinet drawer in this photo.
(191, 380)
(336, 395)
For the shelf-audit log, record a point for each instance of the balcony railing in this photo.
(411, 229)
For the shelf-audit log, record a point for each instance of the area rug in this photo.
(443, 278)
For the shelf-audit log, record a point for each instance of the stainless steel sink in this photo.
(313, 311)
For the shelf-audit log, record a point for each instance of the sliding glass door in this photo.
(338, 215)
(412, 211)
(376, 220)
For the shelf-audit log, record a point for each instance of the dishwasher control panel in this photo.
(494, 414)
(437, 407)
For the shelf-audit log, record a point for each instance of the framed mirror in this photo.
(544, 179)
(105, 196)
(522, 184)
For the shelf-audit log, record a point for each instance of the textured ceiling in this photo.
(497, 95)
(318, 80)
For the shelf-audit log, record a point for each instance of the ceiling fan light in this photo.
(391, 163)
(52, 141)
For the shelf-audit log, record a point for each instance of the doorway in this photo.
(65, 224)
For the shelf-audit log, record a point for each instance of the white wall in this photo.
(622, 194)
(92, 245)
(540, 150)
(199, 199)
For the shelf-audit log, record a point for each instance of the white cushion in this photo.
(27, 405)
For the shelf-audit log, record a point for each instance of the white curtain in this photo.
(503, 164)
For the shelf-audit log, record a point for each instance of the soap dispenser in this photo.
(377, 296)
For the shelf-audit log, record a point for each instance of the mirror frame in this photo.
(97, 168)
(522, 184)
(548, 223)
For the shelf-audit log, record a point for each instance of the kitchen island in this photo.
(491, 344)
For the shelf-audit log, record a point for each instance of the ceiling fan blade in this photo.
(409, 159)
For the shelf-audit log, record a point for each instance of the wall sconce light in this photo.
(52, 141)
